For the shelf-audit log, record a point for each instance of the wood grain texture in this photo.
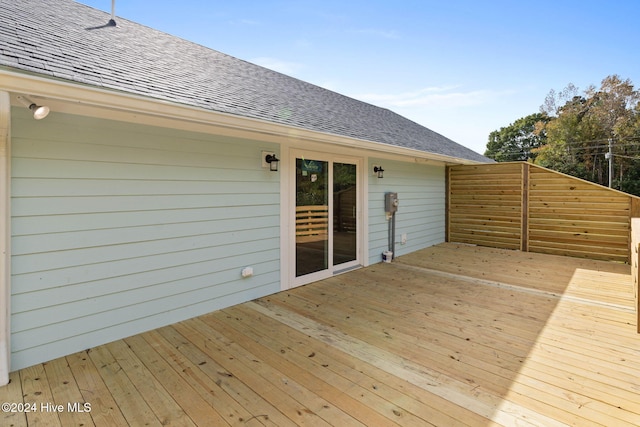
(523, 206)
(451, 335)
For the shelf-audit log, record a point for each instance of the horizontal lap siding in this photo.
(573, 217)
(486, 205)
(421, 213)
(119, 228)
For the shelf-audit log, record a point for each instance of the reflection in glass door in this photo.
(344, 213)
(326, 215)
(312, 216)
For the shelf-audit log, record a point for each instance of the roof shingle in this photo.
(67, 40)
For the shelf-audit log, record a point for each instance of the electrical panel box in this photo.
(391, 202)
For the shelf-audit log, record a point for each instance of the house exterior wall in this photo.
(421, 213)
(117, 228)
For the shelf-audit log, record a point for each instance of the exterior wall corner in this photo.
(5, 253)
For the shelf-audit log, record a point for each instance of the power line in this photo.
(572, 149)
(626, 157)
(605, 140)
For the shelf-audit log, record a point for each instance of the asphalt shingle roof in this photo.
(70, 41)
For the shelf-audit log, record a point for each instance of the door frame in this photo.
(331, 158)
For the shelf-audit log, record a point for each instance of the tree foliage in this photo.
(575, 130)
(518, 141)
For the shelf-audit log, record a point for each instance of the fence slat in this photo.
(523, 206)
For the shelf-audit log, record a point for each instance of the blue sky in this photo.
(462, 68)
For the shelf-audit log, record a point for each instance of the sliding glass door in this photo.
(326, 215)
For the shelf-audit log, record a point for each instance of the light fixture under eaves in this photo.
(273, 162)
(39, 111)
(378, 170)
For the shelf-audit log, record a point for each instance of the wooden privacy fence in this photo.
(312, 223)
(530, 208)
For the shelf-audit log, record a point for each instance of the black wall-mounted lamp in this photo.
(39, 111)
(378, 170)
(273, 161)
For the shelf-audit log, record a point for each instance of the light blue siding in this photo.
(421, 213)
(119, 228)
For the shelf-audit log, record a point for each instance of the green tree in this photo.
(579, 131)
(519, 140)
(628, 176)
(564, 132)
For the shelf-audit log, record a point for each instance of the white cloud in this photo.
(434, 97)
(466, 116)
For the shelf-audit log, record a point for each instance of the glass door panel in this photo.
(344, 213)
(312, 216)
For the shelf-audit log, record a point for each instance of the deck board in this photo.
(12, 393)
(451, 335)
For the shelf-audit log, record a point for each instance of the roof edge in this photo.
(98, 102)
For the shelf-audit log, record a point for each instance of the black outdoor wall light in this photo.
(378, 170)
(273, 161)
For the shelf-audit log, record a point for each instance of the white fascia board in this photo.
(92, 101)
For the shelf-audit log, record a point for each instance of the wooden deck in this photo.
(452, 335)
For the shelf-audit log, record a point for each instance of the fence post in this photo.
(634, 212)
(635, 265)
(524, 220)
(447, 204)
(636, 284)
